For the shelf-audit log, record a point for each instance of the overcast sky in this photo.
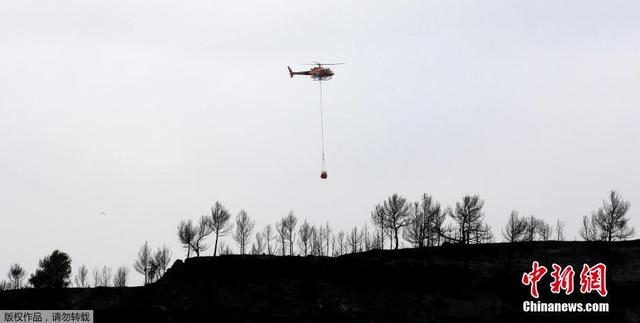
(150, 111)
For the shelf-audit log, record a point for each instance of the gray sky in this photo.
(152, 110)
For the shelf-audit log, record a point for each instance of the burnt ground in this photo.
(452, 283)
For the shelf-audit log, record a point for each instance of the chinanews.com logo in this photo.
(593, 279)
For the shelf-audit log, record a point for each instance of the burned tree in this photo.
(515, 228)
(469, 219)
(16, 275)
(304, 237)
(268, 235)
(121, 276)
(187, 235)
(142, 263)
(377, 218)
(611, 219)
(395, 210)
(244, 227)
(219, 223)
(559, 230)
(82, 277)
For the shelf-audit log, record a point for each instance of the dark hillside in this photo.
(452, 283)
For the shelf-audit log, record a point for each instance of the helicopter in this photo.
(318, 73)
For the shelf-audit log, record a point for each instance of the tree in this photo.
(340, 244)
(244, 227)
(417, 226)
(258, 246)
(219, 223)
(268, 235)
(121, 276)
(142, 263)
(424, 222)
(559, 231)
(161, 260)
(16, 274)
(544, 231)
(354, 240)
(286, 229)
(203, 230)
(53, 271)
(612, 220)
(187, 234)
(282, 234)
(82, 277)
(97, 281)
(327, 237)
(105, 276)
(532, 228)
(396, 211)
(304, 235)
(589, 229)
(469, 218)
(4, 285)
(377, 218)
(515, 229)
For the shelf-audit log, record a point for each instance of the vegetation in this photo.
(422, 223)
(53, 272)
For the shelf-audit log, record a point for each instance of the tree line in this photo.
(421, 223)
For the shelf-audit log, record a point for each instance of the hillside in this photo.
(452, 283)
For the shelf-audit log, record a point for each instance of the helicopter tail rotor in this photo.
(290, 71)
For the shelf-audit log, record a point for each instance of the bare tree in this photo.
(317, 240)
(354, 240)
(105, 276)
(224, 249)
(515, 229)
(219, 223)
(396, 211)
(469, 218)
(340, 244)
(544, 231)
(560, 230)
(304, 237)
(82, 277)
(327, 237)
(96, 277)
(259, 245)
(282, 235)
(589, 229)
(286, 229)
(143, 262)
(161, 260)
(5, 285)
(377, 218)
(417, 226)
(244, 227)
(268, 235)
(612, 220)
(121, 276)
(16, 275)
(203, 230)
(532, 228)
(187, 234)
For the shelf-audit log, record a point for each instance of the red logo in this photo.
(594, 278)
(562, 279)
(591, 279)
(534, 277)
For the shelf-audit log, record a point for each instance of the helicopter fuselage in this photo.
(316, 73)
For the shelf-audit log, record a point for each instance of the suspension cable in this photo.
(321, 123)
